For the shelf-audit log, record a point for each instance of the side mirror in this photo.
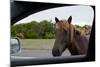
(15, 45)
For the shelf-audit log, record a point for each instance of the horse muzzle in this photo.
(56, 52)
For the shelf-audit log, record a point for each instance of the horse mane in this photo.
(80, 42)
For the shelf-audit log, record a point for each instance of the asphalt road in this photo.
(38, 53)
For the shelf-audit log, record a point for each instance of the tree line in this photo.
(33, 30)
(38, 30)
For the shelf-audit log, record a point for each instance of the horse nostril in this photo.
(56, 53)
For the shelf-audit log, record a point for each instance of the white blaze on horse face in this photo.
(57, 26)
(66, 25)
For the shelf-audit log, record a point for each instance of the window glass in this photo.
(57, 32)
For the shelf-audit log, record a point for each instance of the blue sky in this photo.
(80, 15)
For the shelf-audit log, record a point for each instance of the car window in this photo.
(39, 39)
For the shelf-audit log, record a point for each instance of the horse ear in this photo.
(56, 19)
(70, 19)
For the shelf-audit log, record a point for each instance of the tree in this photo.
(34, 29)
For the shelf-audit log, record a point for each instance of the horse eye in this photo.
(55, 31)
(65, 31)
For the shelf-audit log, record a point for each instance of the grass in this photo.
(37, 43)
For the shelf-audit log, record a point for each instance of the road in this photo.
(38, 53)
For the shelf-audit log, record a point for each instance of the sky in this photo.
(81, 15)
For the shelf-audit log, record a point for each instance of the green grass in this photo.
(37, 43)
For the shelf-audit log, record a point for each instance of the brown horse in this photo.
(67, 36)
